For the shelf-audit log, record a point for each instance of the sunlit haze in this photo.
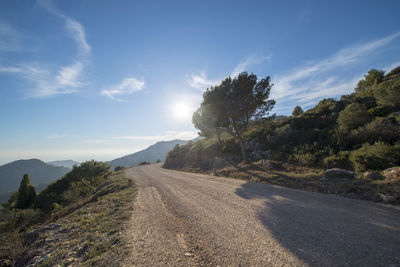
(102, 79)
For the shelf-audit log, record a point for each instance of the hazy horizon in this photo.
(103, 79)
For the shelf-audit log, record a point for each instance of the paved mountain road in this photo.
(184, 219)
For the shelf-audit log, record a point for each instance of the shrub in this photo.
(382, 130)
(26, 193)
(144, 163)
(306, 159)
(338, 161)
(378, 156)
(81, 179)
(118, 168)
(353, 116)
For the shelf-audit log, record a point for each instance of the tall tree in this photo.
(26, 193)
(232, 105)
(297, 111)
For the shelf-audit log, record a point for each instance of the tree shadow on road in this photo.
(326, 229)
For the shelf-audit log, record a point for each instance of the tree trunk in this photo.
(245, 158)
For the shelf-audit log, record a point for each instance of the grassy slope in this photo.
(86, 233)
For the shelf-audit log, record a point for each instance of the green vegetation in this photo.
(359, 132)
(81, 215)
(26, 194)
(232, 105)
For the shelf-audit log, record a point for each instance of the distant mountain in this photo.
(41, 173)
(157, 151)
(63, 163)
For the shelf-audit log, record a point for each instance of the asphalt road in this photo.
(184, 219)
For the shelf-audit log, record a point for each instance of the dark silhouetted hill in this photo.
(41, 173)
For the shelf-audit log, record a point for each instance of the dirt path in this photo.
(184, 219)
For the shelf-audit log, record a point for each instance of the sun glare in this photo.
(182, 111)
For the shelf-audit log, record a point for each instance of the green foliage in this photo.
(387, 93)
(230, 106)
(381, 129)
(375, 157)
(26, 193)
(118, 168)
(334, 133)
(372, 78)
(339, 161)
(79, 181)
(144, 163)
(297, 111)
(204, 154)
(353, 116)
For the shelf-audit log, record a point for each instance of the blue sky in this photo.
(102, 79)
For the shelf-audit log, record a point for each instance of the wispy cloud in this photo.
(310, 83)
(49, 81)
(9, 37)
(202, 82)
(126, 86)
(169, 135)
(75, 29)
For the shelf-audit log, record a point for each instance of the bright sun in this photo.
(182, 111)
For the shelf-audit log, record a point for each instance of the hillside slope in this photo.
(154, 152)
(40, 172)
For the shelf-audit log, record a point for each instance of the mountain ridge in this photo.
(152, 153)
(39, 172)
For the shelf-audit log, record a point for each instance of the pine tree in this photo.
(26, 193)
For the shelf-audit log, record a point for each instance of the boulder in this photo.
(392, 173)
(386, 198)
(338, 173)
(372, 175)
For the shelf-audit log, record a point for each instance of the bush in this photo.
(306, 159)
(378, 156)
(352, 117)
(338, 161)
(383, 130)
(118, 168)
(81, 180)
(26, 193)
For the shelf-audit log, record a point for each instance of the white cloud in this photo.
(68, 75)
(77, 33)
(46, 83)
(312, 82)
(127, 86)
(391, 66)
(75, 29)
(247, 63)
(202, 82)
